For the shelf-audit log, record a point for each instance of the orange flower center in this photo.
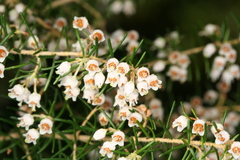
(112, 65)
(79, 23)
(118, 138)
(198, 128)
(92, 67)
(103, 121)
(112, 79)
(97, 100)
(133, 120)
(107, 150)
(220, 137)
(143, 74)
(121, 97)
(225, 49)
(236, 150)
(2, 53)
(1, 71)
(154, 83)
(121, 70)
(122, 114)
(60, 23)
(98, 36)
(30, 138)
(33, 103)
(45, 126)
(90, 81)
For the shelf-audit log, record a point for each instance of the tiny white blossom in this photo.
(32, 43)
(222, 137)
(100, 134)
(116, 7)
(72, 93)
(120, 99)
(103, 120)
(210, 96)
(129, 87)
(159, 42)
(99, 79)
(34, 100)
(124, 113)
(97, 35)
(98, 100)
(118, 138)
(112, 78)
(2, 8)
(89, 94)
(235, 149)
(225, 49)
(31, 136)
(128, 8)
(45, 126)
(142, 88)
(3, 53)
(143, 73)
(63, 68)
(159, 66)
(133, 118)
(112, 64)
(209, 50)
(173, 57)
(183, 61)
(19, 7)
(198, 127)
(60, 23)
(80, 23)
(123, 68)
(2, 68)
(16, 91)
(133, 35)
(153, 82)
(69, 82)
(92, 67)
(25, 121)
(107, 148)
(180, 123)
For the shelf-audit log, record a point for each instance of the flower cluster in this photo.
(108, 146)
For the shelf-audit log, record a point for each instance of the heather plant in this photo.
(77, 91)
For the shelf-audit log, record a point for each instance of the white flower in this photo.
(173, 57)
(118, 138)
(97, 35)
(124, 113)
(235, 70)
(225, 49)
(99, 79)
(31, 136)
(34, 100)
(72, 93)
(222, 137)
(78, 47)
(100, 134)
(183, 61)
(231, 56)
(153, 82)
(210, 96)
(89, 81)
(16, 91)
(3, 53)
(60, 23)
(159, 42)
(116, 7)
(142, 88)
(129, 87)
(123, 68)
(209, 30)
(19, 7)
(122, 158)
(133, 35)
(63, 68)
(209, 50)
(120, 99)
(227, 77)
(173, 72)
(180, 123)
(133, 118)
(89, 94)
(112, 78)
(32, 43)
(45, 126)
(112, 64)
(128, 8)
(26, 121)
(103, 120)
(2, 8)
(155, 106)
(107, 148)
(2, 68)
(183, 75)
(132, 98)
(159, 66)
(92, 67)
(13, 15)
(132, 45)
(235, 149)
(98, 100)
(80, 23)
(198, 127)
(69, 82)
(122, 81)
(215, 74)
(143, 73)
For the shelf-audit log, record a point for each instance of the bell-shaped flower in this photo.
(142, 88)
(112, 64)
(99, 79)
(31, 136)
(33, 43)
(103, 120)
(112, 79)
(97, 35)
(123, 68)
(92, 66)
(118, 138)
(143, 73)
(209, 50)
(63, 68)
(100, 134)
(133, 118)
(45, 126)
(124, 113)
(222, 137)
(26, 121)
(107, 148)
(69, 82)
(173, 57)
(235, 149)
(129, 87)
(3, 53)
(198, 127)
(72, 93)
(80, 23)
(153, 82)
(89, 94)
(60, 23)
(34, 100)
(98, 100)
(180, 123)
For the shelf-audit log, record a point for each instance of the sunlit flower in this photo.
(180, 123)
(219, 128)
(118, 138)
(34, 100)
(132, 98)
(133, 118)
(92, 67)
(143, 73)
(80, 23)
(235, 149)
(122, 158)
(2, 68)
(32, 43)
(103, 120)
(89, 81)
(107, 148)
(122, 81)
(16, 91)
(100, 134)
(45, 126)
(60, 23)
(25, 121)
(123, 68)
(209, 50)
(31, 136)
(142, 88)
(63, 68)
(198, 127)
(3, 53)
(222, 137)
(112, 64)
(97, 35)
